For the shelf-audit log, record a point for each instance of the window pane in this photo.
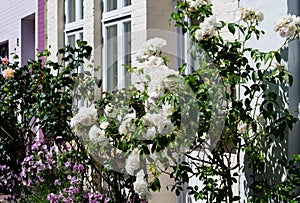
(127, 49)
(4, 50)
(71, 40)
(112, 57)
(71, 11)
(111, 5)
(127, 2)
(81, 9)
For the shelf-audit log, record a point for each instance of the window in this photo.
(74, 21)
(111, 5)
(73, 13)
(73, 37)
(4, 49)
(127, 2)
(117, 44)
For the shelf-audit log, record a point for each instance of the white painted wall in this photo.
(54, 27)
(11, 15)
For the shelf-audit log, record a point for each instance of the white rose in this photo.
(141, 57)
(155, 44)
(132, 163)
(196, 3)
(140, 186)
(150, 119)
(246, 14)
(167, 109)
(91, 111)
(154, 92)
(207, 29)
(165, 126)
(241, 127)
(104, 125)
(83, 119)
(287, 26)
(127, 126)
(97, 136)
(259, 16)
(153, 61)
(151, 133)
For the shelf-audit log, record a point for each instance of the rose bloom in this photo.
(140, 186)
(246, 14)
(8, 73)
(207, 29)
(5, 61)
(288, 26)
(196, 3)
(97, 135)
(155, 44)
(132, 163)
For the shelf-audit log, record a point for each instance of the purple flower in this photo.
(73, 181)
(67, 164)
(78, 167)
(76, 190)
(35, 146)
(107, 199)
(53, 149)
(52, 198)
(44, 147)
(57, 182)
(26, 159)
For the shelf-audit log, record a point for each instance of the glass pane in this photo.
(81, 9)
(71, 40)
(71, 11)
(127, 2)
(111, 5)
(112, 58)
(127, 49)
(4, 50)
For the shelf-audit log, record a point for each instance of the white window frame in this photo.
(78, 15)
(117, 17)
(121, 69)
(78, 35)
(121, 10)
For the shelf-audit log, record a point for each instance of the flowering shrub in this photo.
(256, 113)
(37, 104)
(147, 126)
(192, 126)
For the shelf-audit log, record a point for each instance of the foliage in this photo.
(213, 125)
(257, 114)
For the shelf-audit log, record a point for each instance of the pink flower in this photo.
(8, 73)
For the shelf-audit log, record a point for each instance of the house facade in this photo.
(116, 29)
(22, 29)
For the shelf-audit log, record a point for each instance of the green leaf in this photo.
(231, 28)
(278, 57)
(155, 185)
